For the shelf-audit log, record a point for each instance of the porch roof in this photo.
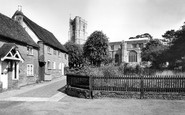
(6, 49)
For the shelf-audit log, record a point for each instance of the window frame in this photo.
(49, 49)
(133, 56)
(29, 50)
(48, 64)
(53, 65)
(30, 70)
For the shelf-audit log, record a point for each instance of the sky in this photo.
(118, 19)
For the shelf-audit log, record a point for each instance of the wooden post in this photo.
(90, 87)
(142, 87)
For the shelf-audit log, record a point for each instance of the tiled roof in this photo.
(43, 34)
(14, 31)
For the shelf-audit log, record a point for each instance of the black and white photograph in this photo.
(92, 57)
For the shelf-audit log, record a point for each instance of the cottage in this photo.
(18, 55)
(52, 55)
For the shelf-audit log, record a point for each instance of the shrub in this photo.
(110, 71)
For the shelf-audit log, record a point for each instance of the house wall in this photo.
(59, 60)
(43, 53)
(28, 59)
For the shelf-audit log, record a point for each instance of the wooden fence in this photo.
(129, 83)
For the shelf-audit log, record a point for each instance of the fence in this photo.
(129, 83)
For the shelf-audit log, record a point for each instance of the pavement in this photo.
(45, 91)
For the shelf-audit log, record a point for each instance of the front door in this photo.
(4, 80)
(4, 74)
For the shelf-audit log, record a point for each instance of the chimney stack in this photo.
(20, 8)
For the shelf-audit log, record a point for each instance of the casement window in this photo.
(29, 50)
(65, 56)
(54, 65)
(49, 50)
(30, 70)
(59, 54)
(15, 70)
(60, 66)
(48, 64)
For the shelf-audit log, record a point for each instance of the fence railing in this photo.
(138, 83)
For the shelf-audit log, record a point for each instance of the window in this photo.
(84, 28)
(30, 70)
(29, 50)
(60, 66)
(54, 65)
(141, 45)
(132, 56)
(65, 56)
(54, 52)
(49, 50)
(48, 64)
(15, 70)
(134, 45)
(59, 54)
(112, 47)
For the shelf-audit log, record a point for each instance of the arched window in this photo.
(116, 58)
(132, 56)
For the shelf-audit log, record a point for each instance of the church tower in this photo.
(78, 30)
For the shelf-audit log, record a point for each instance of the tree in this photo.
(96, 48)
(152, 52)
(175, 53)
(169, 36)
(145, 35)
(75, 54)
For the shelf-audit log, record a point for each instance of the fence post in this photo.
(90, 87)
(142, 87)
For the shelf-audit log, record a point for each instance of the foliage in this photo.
(75, 54)
(96, 48)
(152, 52)
(169, 35)
(145, 35)
(175, 53)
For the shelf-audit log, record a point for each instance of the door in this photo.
(4, 74)
(4, 80)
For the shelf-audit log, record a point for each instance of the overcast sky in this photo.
(118, 19)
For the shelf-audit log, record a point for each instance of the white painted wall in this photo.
(30, 32)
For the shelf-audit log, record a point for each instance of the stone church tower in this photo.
(78, 30)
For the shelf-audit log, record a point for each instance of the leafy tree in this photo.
(176, 52)
(145, 35)
(169, 36)
(75, 54)
(96, 48)
(152, 52)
